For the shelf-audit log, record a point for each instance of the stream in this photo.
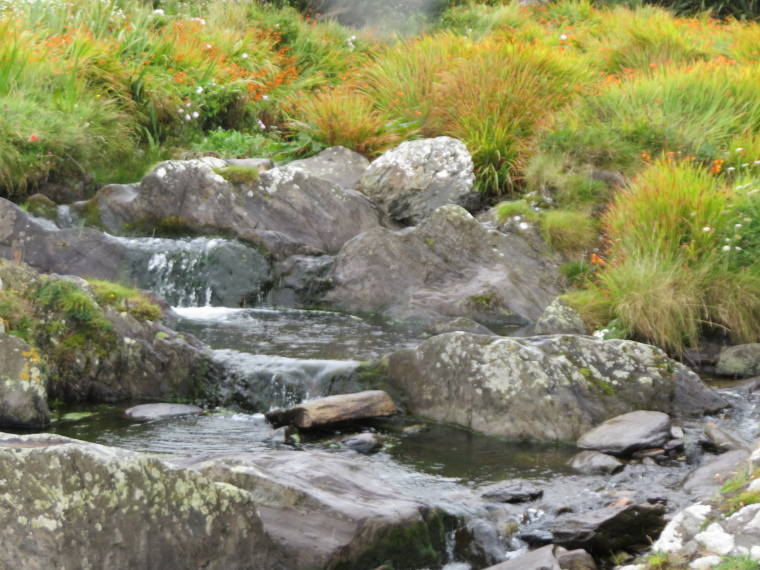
(441, 464)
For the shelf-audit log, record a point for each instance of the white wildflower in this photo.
(726, 248)
(158, 11)
(188, 117)
(196, 114)
(563, 37)
(706, 229)
(737, 225)
(244, 56)
(199, 90)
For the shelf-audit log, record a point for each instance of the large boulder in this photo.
(23, 396)
(68, 504)
(413, 180)
(200, 271)
(449, 266)
(286, 210)
(336, 164)
(742, 360)
(541, 388)
(329, 512)
(622, 435)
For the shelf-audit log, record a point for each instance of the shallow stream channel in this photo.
(439, 464)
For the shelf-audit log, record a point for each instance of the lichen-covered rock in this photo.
(449, 266)
(69, 504)
(333, 513)
(336, 164)
(413, 180)
(560, 318)
(742, 360)
(23, 396)
(286, 210)
(541, 388)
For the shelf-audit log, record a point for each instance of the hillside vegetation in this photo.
(629, 134)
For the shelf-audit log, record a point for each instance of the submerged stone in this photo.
(622, 435)
(151, 412)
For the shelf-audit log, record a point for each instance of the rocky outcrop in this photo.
(23, 394)
(410, 182)
(336, 164)
(217, 271)
(622, 435)
(742, 360)
(286, 210)
(70, 504)
(540, 388)
(335, 409)
(449, 266)
(560, 318)
(333, 513)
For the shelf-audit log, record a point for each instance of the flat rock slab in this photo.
(595, 463)
(150, 412)
(627, 433)
(334, 409)
(336, 164)
(511, 492)
(541, 559)
(706, 480)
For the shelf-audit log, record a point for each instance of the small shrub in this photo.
(234, 144)
(570, 233)
(71, 302)
(126, 299)
(239, 175)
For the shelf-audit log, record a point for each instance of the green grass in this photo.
(125, 299)
(239, 175)
(571, 233)
(522, 208)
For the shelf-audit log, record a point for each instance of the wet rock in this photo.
(286, 435)
(478, 543)
(287, 211)
(410, 182)
(560, 318)
(69, 504)
(536, 537)
(722, 440)
(742, 360)
(462, 324)
(334, 409)
(365, 443)
(692, 398)
(511, 492)
(302, 281)
(706, 480)
(622, 435)
(575, 560)
(23, 397)
(682, 528)
(609, 529)
(336, 164)
(151, 412)
(331, 512)
(541, 559)
(542, 388)
(449, 266)
(676, 432)
(648, 454)
(595, 463)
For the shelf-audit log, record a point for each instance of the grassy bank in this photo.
(623, 132)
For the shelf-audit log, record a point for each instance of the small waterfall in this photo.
(259, 383)
(199, 271)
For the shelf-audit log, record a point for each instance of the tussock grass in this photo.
(571, 233)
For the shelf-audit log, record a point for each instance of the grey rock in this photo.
(330, 512)
(336, 164)
(624, 434)
(542, 559)
(286, 435)
(411, 181)
(695, 398)
(23, 396)
(151, 412)
(542, 388)
(676, 432)
(286, 211)
(609, 529)
(742, 360)
(364, 443)
(478, 543)
(575, 560)
(706, 480)
(723, 440)
(560, 318)
(511, 492)
(449, 266)
(595, 463)
(302, 281)
(70, 504)
(462, 324)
